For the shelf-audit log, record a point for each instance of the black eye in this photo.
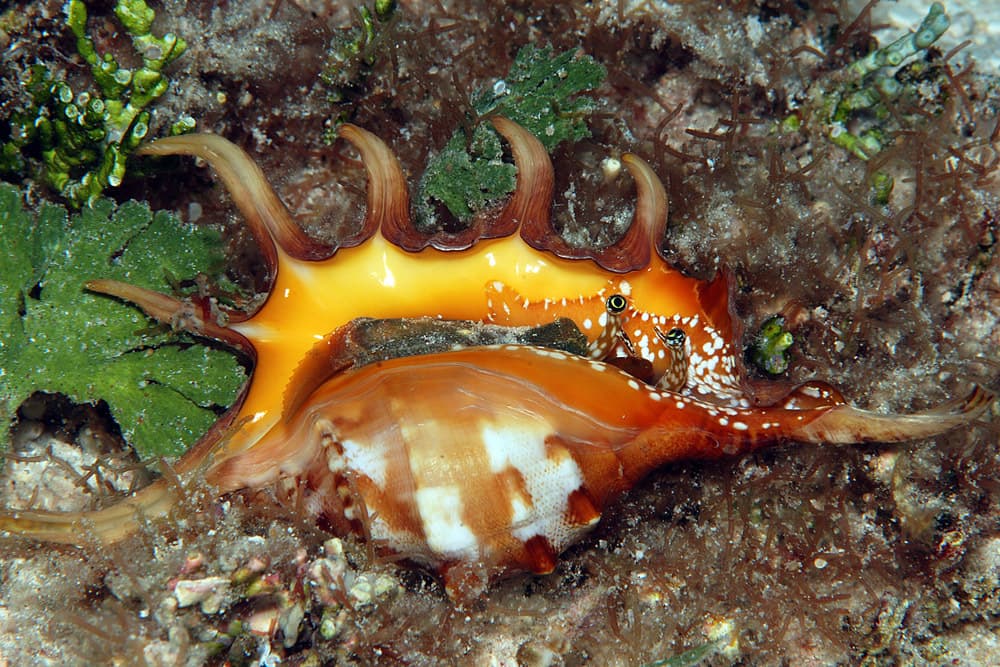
(675, 337)
(616, 304)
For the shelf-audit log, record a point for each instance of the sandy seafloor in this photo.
(874, 555)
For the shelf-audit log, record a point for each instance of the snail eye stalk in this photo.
(616, 304)
(675, 338)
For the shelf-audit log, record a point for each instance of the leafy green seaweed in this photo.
(541, 92)
(163, 389)
(467, 180)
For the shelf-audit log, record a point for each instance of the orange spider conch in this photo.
(482, 460)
